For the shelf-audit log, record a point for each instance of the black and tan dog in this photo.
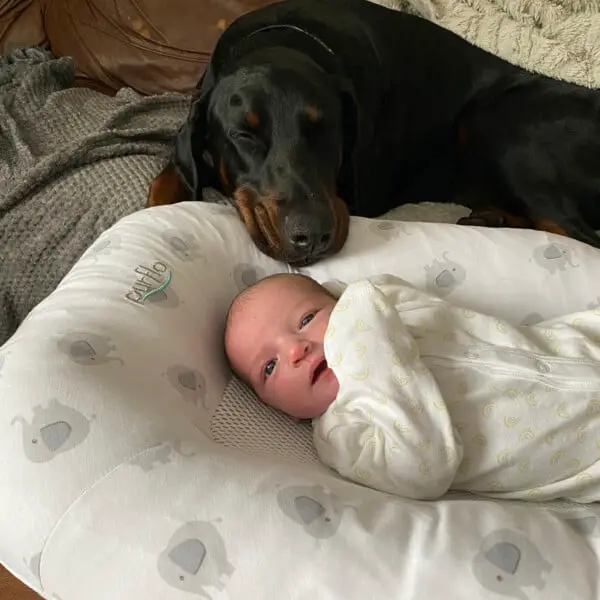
(311, 110)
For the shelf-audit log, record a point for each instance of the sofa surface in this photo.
(152, 46)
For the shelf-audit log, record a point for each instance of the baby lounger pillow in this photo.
(134, 466)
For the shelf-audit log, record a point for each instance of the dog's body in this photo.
(306, 102)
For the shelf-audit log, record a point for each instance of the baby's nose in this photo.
(299, 350)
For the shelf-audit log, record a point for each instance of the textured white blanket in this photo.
(558, 38)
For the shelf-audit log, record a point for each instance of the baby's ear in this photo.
(335, 287)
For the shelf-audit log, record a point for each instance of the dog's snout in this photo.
(307, 233)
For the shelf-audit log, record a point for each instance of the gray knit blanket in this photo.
(72, 162)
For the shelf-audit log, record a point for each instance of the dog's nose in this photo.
(308, 234)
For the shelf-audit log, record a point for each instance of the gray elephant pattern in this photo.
(316, 510)
(165, 298)
(190, 383)
(246, 275)
(444, 275)
(508, 562)
(387, 230)
(33, 564)
(89, 349)
(162, 454)
(195, 558)
(183, 245)
(585, 524)
(105, 246)
(554, 257)
(53, 430)
(594, 304)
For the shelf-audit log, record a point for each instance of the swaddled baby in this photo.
(411, 395)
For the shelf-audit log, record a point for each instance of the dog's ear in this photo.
(351, 125)
(190, 157)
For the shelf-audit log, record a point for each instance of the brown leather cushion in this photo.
(13, 589)
(152, 46)
(20, 24)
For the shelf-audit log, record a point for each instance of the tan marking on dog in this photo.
(252, 119)
(223, 178)
(341, 223)
(266, 213)
(313, 114)
(167, 188)
(549, 226)
(244, 202)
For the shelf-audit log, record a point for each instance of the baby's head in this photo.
(274, 341)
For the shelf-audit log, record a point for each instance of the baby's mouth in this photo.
(318, 372)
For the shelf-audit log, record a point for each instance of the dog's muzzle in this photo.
(309, 234)
(298, 238)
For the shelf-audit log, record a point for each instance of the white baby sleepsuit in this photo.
(435, 397)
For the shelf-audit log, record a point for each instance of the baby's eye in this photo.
(306, 320)
(269, 368)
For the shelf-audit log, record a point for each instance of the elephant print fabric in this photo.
(586, 526)
(190, 383)
(246, 275)
(162, 454)
(104, 247)
(54, 429)
(195, 559)
(89, 349)
(444, 275)
(508, 563)
(316, 510)
(554, 257)
(164, 298)
(184, 245)
(33, 564)
(388, 230)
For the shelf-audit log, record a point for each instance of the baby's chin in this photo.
(303, 412)
(321, 410)
(307, 414)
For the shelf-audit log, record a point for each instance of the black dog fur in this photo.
(305, 101)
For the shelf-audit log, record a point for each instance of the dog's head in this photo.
(273, 133)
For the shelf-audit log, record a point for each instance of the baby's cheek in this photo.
(336, 385)
(332, 391)
(283, 402)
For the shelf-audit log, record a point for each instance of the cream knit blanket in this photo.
(557, 38)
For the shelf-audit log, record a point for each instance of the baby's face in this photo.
(275, 342)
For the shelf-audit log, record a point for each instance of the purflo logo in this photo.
(152, 280)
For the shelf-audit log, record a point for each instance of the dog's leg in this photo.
(492, 216)
(574, 228)
(167, 188)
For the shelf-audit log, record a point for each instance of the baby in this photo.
(413, 396)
